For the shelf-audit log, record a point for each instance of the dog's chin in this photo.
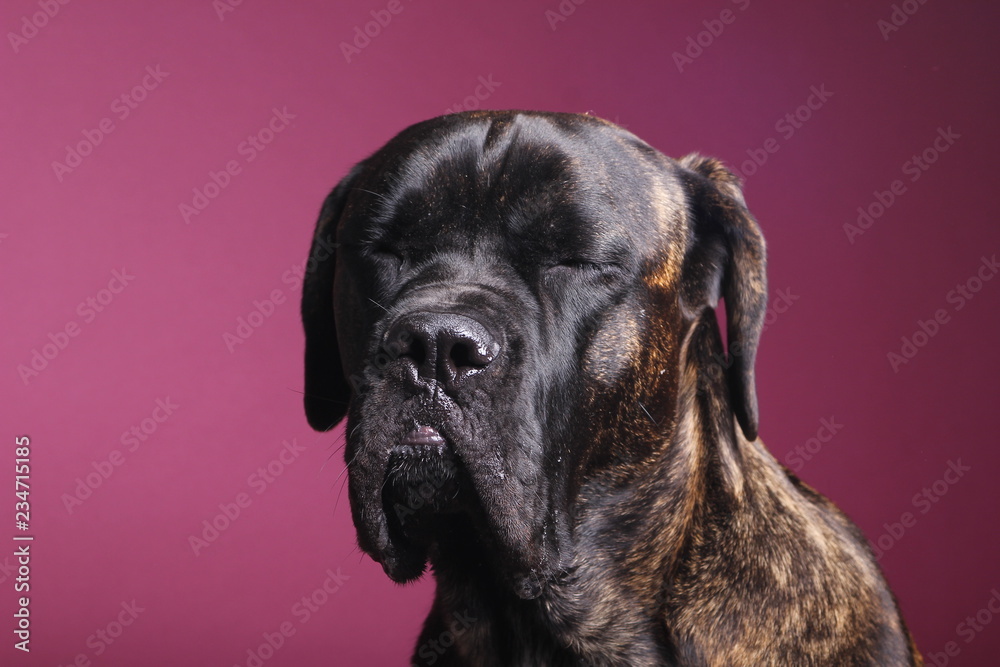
(431, 505)
(423, 490)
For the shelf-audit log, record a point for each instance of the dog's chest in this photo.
(567, 626)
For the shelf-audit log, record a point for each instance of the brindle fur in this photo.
(662, 531)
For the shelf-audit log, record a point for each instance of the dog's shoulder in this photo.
(780, 575)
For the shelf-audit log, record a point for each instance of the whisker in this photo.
(332, 454)
(346, 468)
(379, 195)
(336, 503)
(378, 304)
(647, 413)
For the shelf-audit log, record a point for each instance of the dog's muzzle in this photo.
(424, 482)
(441, 351)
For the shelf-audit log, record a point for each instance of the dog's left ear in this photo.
(326, 392)
(728, 259)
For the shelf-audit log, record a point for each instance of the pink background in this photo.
(162, 336)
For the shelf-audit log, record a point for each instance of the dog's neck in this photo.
(612, 589)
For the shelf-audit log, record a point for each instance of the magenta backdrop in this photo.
(142, 227)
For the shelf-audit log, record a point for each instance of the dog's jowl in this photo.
(516, 313)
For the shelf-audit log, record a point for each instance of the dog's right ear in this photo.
(728, 259)
(326, 390)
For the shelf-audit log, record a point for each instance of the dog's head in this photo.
(498, 301)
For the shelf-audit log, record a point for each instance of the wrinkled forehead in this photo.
(570, 178)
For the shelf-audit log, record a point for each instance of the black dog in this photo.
(515, 311)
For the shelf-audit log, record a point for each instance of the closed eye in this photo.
(384, 251)
(384, 257)
(605, 270)
(582, 264)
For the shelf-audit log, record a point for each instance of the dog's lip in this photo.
(424, 436)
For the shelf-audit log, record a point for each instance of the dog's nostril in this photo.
(467, 353)
(416, 351)
(444, 346)
(461, 356)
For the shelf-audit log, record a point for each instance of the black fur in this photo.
(519, 325)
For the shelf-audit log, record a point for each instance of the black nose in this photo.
(443, 346)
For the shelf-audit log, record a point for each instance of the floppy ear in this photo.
(728, 258)
(327, 392)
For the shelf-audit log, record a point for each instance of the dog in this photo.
(516, 313)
